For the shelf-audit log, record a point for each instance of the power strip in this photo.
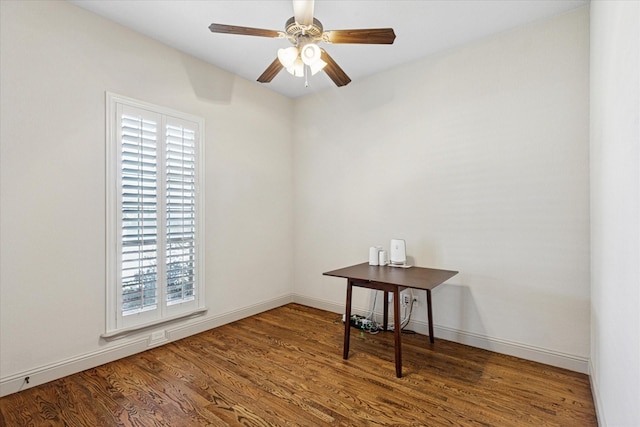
(358, 321)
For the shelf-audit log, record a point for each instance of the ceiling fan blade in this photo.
(364, 36)
(303, 11)
(334, 71)
(271, 71)
(245, 31)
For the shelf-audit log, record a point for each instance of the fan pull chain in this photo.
(306, 77)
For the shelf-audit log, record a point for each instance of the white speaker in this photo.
(398, 253)
(374, 255)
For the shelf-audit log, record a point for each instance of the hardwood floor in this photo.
(285, 367)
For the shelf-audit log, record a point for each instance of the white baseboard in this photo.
(323, 304)
(127, 347)
(523, 351)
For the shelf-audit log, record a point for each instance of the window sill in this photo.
(120, 333)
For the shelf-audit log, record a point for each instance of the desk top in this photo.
(414, 277)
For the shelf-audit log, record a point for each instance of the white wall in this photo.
(478, 158)
(615, 211)
(57, 62)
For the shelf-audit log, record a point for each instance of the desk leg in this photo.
(347, 320)
(397, 331)
(385, 310)
(430, 316)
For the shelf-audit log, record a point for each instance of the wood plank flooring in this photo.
(285, 367)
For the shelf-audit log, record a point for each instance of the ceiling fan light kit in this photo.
(317, 66)
(297, 69)
(310, 53)
(305, 32)
(288, 56)
(294, 59)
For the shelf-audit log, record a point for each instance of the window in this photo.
(154, 214)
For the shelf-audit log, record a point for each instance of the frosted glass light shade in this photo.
(288, 56)
(310, 53)
(317, 66)
(297, 69)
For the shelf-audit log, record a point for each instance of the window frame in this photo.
(116, 323)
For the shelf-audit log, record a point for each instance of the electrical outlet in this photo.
(157, 335)
(157, 338)
(405, 299)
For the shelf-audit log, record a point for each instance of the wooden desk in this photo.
(390, 279)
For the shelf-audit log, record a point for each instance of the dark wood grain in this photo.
(283, 367)
(414, 277)
(333, 70)
(271, 71)
(243, 31)
(362, 36)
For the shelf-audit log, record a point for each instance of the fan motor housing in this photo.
(294, 29)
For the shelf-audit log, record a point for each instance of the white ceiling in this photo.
(422, 27)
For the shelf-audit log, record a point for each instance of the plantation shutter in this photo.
(155, 264)
(181, 207)
(139, 210)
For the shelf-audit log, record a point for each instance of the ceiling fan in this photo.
(305, 32)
